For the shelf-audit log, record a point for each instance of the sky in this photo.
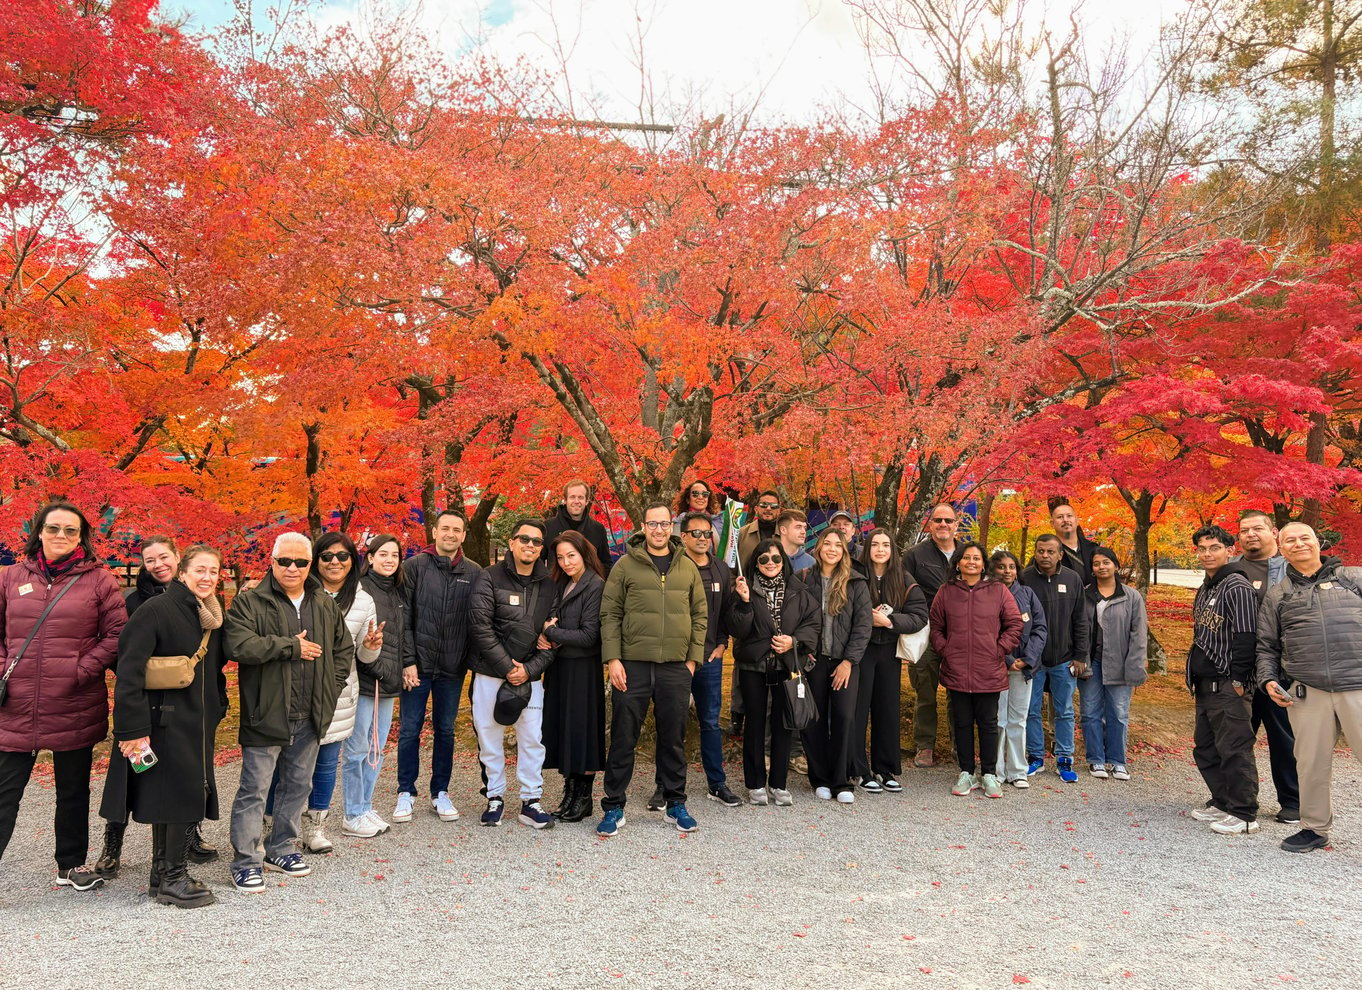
(791, 57)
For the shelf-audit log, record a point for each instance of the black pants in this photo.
(878, 705)
(971, 711)
(1223, 749)
(1281, 748)
(71, 823)
(827, 743)
(667, 686)
(756, 686)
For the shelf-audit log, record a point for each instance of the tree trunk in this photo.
(887, 491)
(311, 468)
(477, 545)
(1314, 454)
(985, 518)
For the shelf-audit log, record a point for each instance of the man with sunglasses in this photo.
(654, 621)
(763, 527)
(707, 684)
(929, 564)
(294, 654)
(439, 583)
(511, 603)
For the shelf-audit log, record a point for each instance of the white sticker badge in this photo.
(1063, 589)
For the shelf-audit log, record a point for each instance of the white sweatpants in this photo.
(529, 739)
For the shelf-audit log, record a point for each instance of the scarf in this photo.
(774, 591)
(54, 569)
(210, 612)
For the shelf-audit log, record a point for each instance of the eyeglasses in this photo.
(768, 505)
(52, 529)
(942, 520)
(769, 558)
(664, 524)
(699, 534)
(533, 541)
(299, 562)
(341, 555)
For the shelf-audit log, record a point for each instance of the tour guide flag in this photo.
(730, 521)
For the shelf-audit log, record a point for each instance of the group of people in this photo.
(330, 641)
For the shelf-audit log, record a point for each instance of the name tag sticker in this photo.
(25, 589)
(1211, 603)
(1326, 585)
(715, 587)
(1026, 616)
(515, 599)
(1062, 589)
(1257, 586)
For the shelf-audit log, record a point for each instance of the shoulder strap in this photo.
(203, 648)
(51, 604)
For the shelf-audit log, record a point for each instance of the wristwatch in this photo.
(1240, 685)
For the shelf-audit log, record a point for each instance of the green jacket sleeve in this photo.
(612, 611)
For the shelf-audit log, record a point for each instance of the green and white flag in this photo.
(730, 521)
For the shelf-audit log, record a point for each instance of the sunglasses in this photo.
(533, 541)
(699, 493)
(768, 505)
(700, 534)
(943, 520)
(299, 562)
(341, 555)
(769, 558)
(52, 529)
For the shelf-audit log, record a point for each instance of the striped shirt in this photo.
(1225, 607)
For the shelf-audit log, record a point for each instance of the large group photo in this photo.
(782, 494)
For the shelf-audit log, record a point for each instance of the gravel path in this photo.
(1061, 885)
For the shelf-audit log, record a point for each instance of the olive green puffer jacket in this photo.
(645, 616)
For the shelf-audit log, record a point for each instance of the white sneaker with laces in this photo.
(757, 796)
(1119, 772)
(1098, 770)
(405, 803)
(1204, 814)
(378, 822)
(1232, 825)
(359, 827)
(783, 799)
(445, 807)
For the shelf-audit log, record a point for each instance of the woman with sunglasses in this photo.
(975, 626)
(697, 497)
(898, 607)
(53, 664)
(844, 598)
(774, 622)
(335, 563)
(574, 692)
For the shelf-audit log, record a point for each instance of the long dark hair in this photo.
(33, 547)
(346, 596)
(380, 541)
(579, 543)
(683, 498)
(892, 589)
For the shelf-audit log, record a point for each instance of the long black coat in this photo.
(182, 723)
(578, 631)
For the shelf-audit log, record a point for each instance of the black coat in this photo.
(508, 612)
(908, 616)
(851, 626)
(927, 566)
(1061, 595)
(578, 631)
(182, 724)
(398, 649)
(750, 622)
(560, 522)
(146, 588)
(438, 596)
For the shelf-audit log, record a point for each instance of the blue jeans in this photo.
(1106, 717)
(443, 695)
(323, 779)
(707, 685)
(1062, 706)
(358, 773)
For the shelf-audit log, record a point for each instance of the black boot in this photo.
(177, 887)
(201, 851)
(582, 805)
(570, 788)
(107, 864)
(158, 855)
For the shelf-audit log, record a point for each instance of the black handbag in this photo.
(801, 711)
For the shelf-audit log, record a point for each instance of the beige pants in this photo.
(1316, 720)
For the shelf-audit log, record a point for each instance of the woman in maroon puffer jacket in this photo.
(975, 625)
(57, 698)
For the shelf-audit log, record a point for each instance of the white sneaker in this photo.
(314, 835)
(1021, 783)
(846, 797)
(1098, 770)
(405, 801)
(784, 799)
(445, 807)
(376, 821)
(1232, 825)
(823, 794)
(1119, 772)
(360, 827)
(963, 784)
(1207, 814)
(757, 796)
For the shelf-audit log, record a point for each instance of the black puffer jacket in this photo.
(439, 591)
(578, 630)
(507, 614)
(752, 628)
(398, 648)
(851, 626)
(1310, 629)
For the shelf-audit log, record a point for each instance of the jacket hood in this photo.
(637, 545)
(1231, 568)
(1327, 567)
(540, 572)
(148, 585)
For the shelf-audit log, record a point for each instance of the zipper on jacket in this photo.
(662, 644)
